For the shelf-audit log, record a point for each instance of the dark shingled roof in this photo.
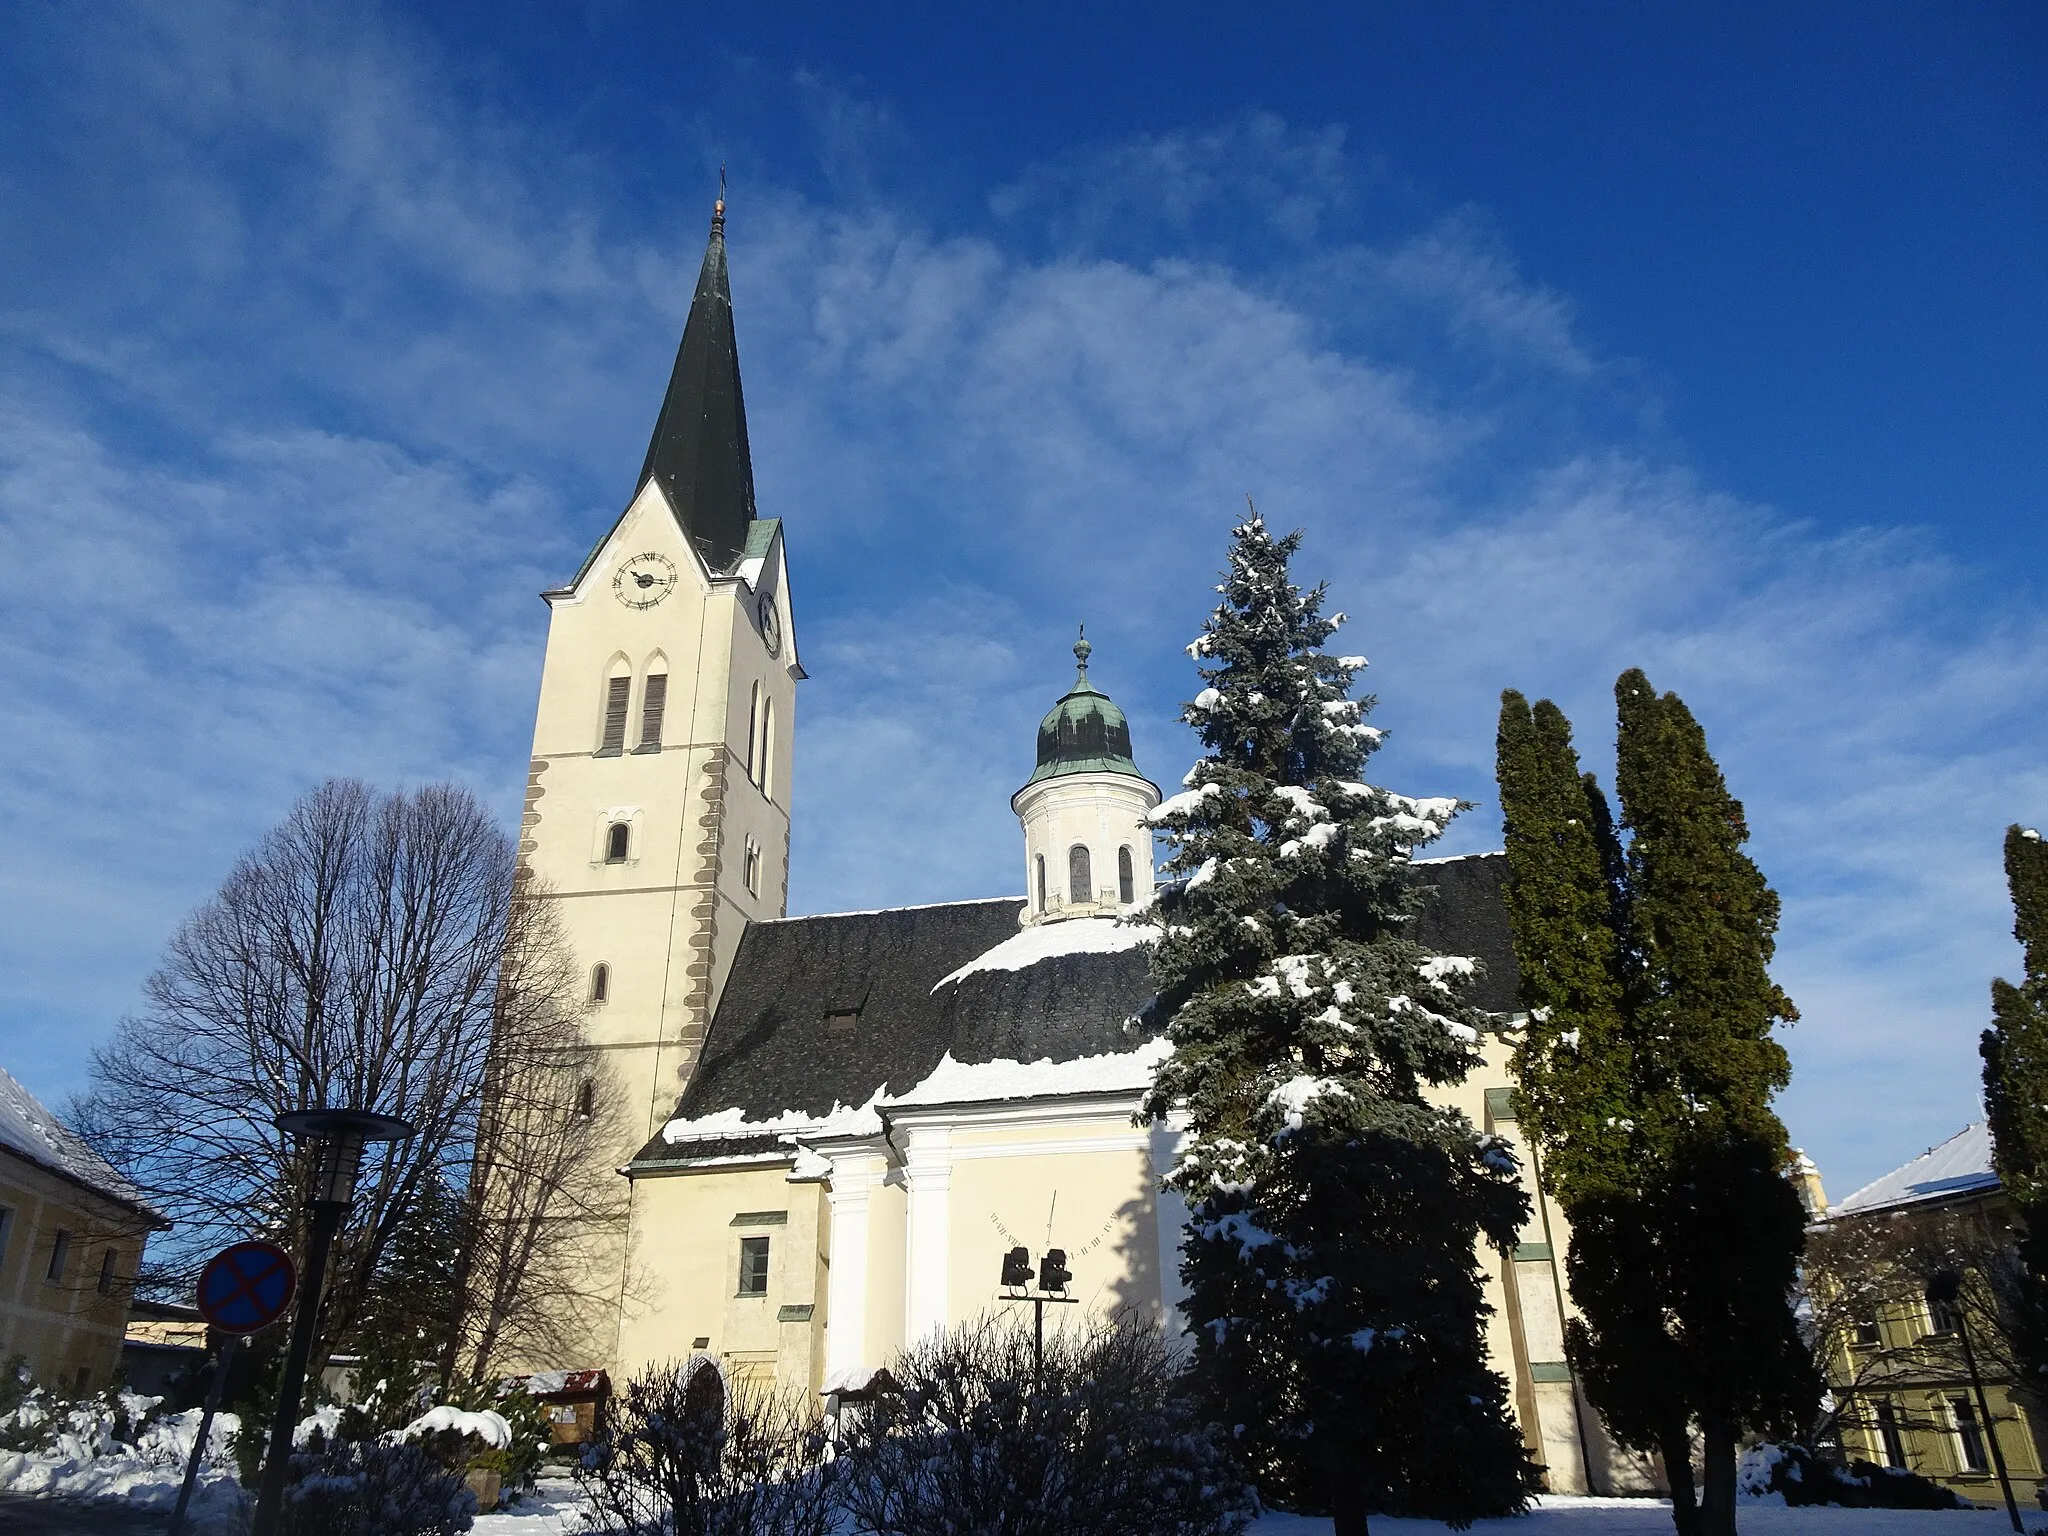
(771, 1049)
(699, 449)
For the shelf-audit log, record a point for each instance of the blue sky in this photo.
(1704, 340)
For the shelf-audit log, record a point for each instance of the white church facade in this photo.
(839, 1124)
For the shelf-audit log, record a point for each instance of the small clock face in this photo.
(644, 580)
(771, 626)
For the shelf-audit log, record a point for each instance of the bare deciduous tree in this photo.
(374, 951)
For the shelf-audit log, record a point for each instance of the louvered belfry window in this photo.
(1080, 883)
(652, 701)
(616, 693)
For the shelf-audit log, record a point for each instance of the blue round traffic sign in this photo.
(247, 1287)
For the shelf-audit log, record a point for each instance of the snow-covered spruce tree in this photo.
(1336, 1305)
(1729, 1228)
(2015, 1051)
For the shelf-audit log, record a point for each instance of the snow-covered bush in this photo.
(373, 1487)
(678, 1454)
(974, 1437)
(1797, 1475)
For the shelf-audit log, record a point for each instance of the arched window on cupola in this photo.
(1041, 882)
(1080, 881)
(600, 983)
(1126, 877)
(616, 842)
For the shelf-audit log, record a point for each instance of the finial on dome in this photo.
(718, 208)
(1082, 649)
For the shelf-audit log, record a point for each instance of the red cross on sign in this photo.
(247, 1287)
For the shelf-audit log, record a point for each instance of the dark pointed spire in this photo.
(699, 449)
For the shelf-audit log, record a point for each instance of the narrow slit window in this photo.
(600, 983)
(615, 843)
(1126, 877)
(753, 1266)
(652, 702)
(586, 1099)
(754, 736)
(1080, 881)
(751, 865)
(60, 1255)
(1041, 882)
(617, 692)
(768, 748)
(108, 1279)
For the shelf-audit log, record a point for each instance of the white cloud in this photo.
(277, 508)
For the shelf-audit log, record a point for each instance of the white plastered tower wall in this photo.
(705, 806)
(1102, 812)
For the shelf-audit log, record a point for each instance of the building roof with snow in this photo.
(825, 1022)
(30, 1132)
(1959, 1166)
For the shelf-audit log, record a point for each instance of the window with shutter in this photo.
(1080, 883)
(652, 700)
(1126, 877)
(616, 692)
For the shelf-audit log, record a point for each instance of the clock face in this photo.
(771, 626)
(644, 580)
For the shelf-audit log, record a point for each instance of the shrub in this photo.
(1799, 1475)
(373, 1488)
(678, 1455)
(974, 1438)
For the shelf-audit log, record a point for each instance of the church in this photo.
(839, 1124)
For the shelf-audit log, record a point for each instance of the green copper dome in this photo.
(1085, 732)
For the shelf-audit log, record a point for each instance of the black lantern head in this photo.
(1053, 1274)
(1017, 1268)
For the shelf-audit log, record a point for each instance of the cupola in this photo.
(1087, 845)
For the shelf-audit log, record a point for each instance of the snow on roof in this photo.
(954, 1082)
(31, 1131)
(838, 1121)
(922, 906)
(1960, 1165)
(1048, 941)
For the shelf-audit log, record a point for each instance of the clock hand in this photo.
(644, 579)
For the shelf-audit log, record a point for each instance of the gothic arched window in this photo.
(1080, 883)
(767, 780)
(754, 735)
(615, 843)
(618, 693)
(586, 1099)
(653, 702)
(600, 983)
(1126, 877)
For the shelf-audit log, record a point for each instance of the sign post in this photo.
(242, 1290)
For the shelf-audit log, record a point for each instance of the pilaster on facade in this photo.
(928, 1184)
(858, 1170)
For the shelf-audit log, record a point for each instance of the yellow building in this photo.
(1893, 1337)
(840, 1123)
(72, 1232)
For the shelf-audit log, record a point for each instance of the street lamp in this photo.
(1053, 1278)
(1946, 1287)
(337, 1138)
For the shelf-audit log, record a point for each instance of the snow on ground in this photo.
(551, 1509)
(1565, 1516)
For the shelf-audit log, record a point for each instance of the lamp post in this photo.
(1947, 1287)
(1053, 1276)
(337, 1137)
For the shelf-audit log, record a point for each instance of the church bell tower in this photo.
(657, 801)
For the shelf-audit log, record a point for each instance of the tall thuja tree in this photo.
(2015, 1051)
(1581, 1079)
(1646, 1073)
(1728, 1226)
(1337, 1306)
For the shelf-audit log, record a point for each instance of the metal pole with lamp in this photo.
(337, 1137)
(1947, 1287)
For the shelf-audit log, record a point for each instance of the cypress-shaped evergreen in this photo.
(1664, 1152)
(1337, 1305)
(2015, 1051)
